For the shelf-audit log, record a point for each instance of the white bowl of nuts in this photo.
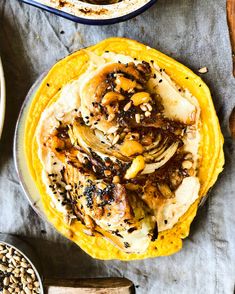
(17, 272)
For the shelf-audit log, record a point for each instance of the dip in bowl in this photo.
(94, 12)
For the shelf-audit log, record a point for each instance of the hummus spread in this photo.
(126, 114)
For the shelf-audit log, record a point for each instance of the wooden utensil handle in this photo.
(231, 25)
(89, 286)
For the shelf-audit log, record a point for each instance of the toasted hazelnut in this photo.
(111, 97)
(137, 165)
(125, 84)
(140, 98)
(131, 147)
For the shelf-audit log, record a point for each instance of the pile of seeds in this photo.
(16, 273)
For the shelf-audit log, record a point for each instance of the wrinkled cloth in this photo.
(195, 33)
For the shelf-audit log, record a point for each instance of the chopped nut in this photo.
(107, 173)
(101, 186)
(116, 179)
(125, 84)
(127, 106)
(137, 118)
(147, 113)
(203, 70)
(137, 165)
(188, 156)
(187, 164)
(140, 98)
(149, 106)
(143, 107)
(132, 136)
(131, 147)
(111, 97)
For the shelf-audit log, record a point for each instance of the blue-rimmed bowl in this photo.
(92, 14)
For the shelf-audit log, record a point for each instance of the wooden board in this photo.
(231, 25)
(91, 286)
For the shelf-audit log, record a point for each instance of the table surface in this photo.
(191, 31)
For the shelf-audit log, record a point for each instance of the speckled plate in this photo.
(2, 98)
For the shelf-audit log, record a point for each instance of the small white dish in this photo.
(2, 98)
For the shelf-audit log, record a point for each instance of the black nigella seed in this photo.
(126, 244)
(160, 81)
(48, 85)
(62, 32)
(154, 76)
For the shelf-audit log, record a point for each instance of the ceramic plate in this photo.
(2, 98)
(26, 180)
(91, 14)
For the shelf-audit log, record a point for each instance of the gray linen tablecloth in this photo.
(193, 32)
